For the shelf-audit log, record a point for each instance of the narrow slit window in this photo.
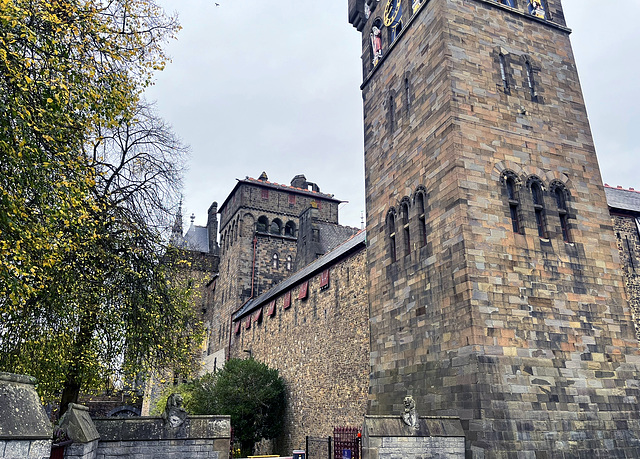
(531, 81)
(422, 221)
(405, 229)
(392, 113)
(407, 94)
(514, 204)
(391, 228)
(538, 208)
(563, 214)
(503, 72)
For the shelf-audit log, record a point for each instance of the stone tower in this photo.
(495, 287)
(259, 226)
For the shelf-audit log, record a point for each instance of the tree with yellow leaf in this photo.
(84, 292)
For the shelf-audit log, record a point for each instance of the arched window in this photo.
(538, 208)
(422, 219)
(289, 263)
(405, 227)
(262, 225)
(391, 232)
(290, 229)
(531, 81)
(560, 193)
(503, 72)
(275, 260)
(276, 227)
(514, 201)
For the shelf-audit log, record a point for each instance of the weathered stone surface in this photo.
(199, 437)
(23, 416)
(388, 437)
(78, 424)
(81, 450)
(393, 426)
(149, 428)
(320, 346)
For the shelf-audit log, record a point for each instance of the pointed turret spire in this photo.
(176, 231)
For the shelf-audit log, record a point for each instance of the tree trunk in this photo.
(71, 390)
(73, 380)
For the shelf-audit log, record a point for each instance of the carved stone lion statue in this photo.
(410, 417)
(174, 414)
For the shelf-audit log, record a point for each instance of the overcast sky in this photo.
(273, 85)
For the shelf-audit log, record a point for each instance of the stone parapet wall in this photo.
(388, 437)
(199, 437)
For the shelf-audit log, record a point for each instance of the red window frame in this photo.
(247, 323)
(257, 316)
(237, 330)
(265, 193)
(271, 309)
(324, 279)
(287, 300)
(304, 290)
(292, 199)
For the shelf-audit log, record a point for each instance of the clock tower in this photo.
(495, 287)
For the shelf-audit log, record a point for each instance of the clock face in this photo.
(391, 12)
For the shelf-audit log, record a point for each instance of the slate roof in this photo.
(277, 186)
(311, 269)
(332, 235)
(196, 239)
(619, 198)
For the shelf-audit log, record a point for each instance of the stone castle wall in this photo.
(320, 345)
(628, 237)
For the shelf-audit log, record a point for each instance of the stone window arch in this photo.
(530, 79)
(391, 234)
(512, 190)
(561, 196)
(276, 227)
(504, 72)
(290, 229)
(420, 203)
(263, 224)
(406, 230)
(537, 196)
(275, 260)
(289, 263)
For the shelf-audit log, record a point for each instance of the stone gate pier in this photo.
(25, 430)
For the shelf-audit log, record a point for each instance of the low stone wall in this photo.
(25, 431)
(388, 437)
(199, 437)
(81, 450)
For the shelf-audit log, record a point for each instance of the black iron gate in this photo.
(346, 441)
(318, 447)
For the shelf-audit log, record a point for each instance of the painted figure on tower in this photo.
(536, 9)
(376, 43)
